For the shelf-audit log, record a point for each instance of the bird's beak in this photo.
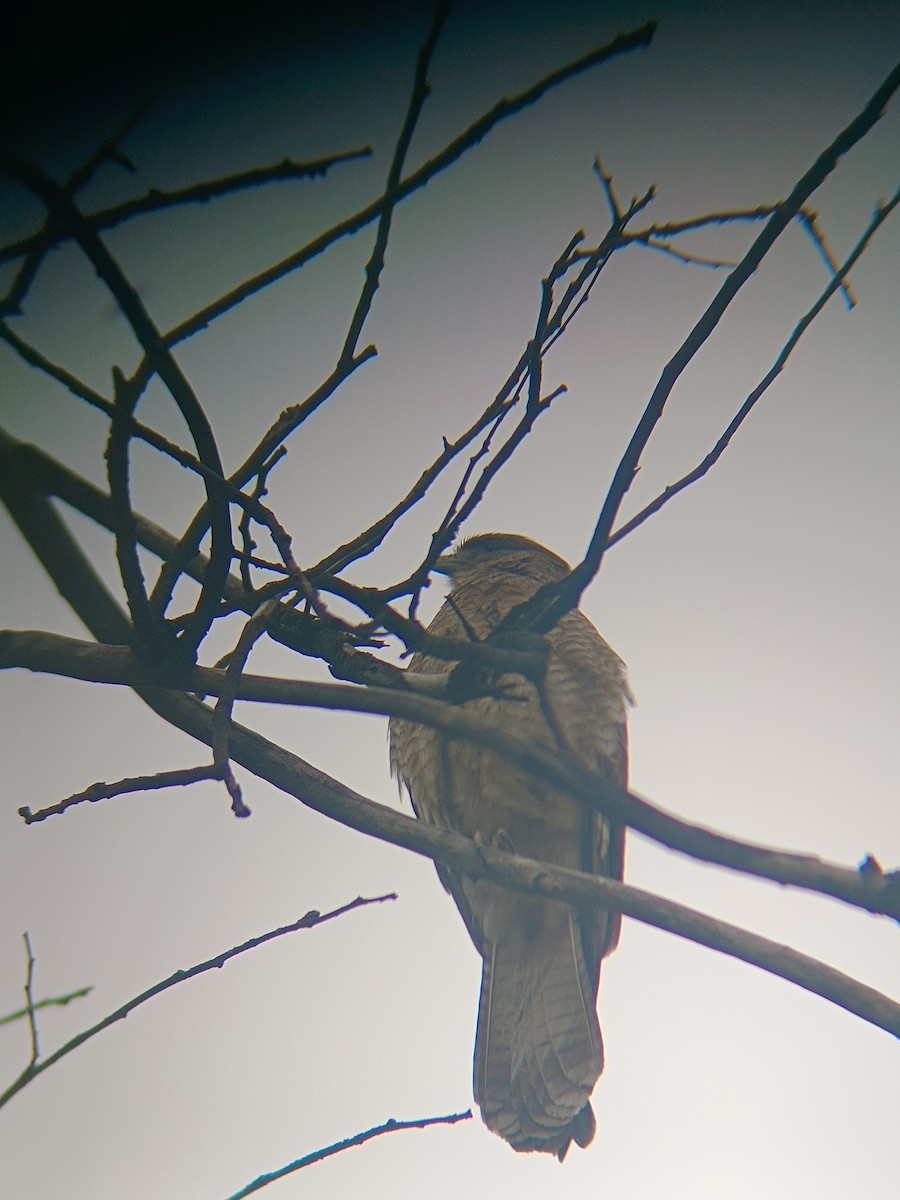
(445, 565)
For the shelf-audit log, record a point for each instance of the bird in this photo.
(538, 1047)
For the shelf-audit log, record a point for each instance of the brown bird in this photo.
(538, 1050)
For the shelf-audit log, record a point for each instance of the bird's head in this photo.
(489, 554)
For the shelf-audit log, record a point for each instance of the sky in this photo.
(756, 612)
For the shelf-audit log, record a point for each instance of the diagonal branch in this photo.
(41, 243)
(77, 582)
(49, 1002)
(326, 795)
(546, 607)
(309, 921)
(28, 476)
(771, 231)
(292, 417)
(163, 363)
(375, 265)
(882, 212)
(504, 109)
(867, 888)
(358, 1139)
(157, 200)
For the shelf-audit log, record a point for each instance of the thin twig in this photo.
(612, 200)
(29, 1005)
(309, 921)
(375, 265)
(251, 505)
(163, 363)
(49, 1002)
(637, 39)
(774, 227)
(246, 557)
(810, 222)
(287, 421)
(156, 200)
(684, 256)
(250, 634)
(181, 777)
(107, 151)
(706, 464)
(358, 1139)
(545, 608)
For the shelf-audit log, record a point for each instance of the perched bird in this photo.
(538, 1050)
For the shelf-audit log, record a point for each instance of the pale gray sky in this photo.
(757, 615)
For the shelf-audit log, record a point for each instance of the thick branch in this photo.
(73, 575)
(870, 890)
(326, 795)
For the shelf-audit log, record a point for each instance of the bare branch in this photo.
(358, 1139)
(810, 222)
(156, 200)
(777, 222)
(684, 256)
(28, 476)
(251, 505)
(504, 109)
(181, 777)
(868, 889)
(250, 634)
(882, 212)
(612, 200)
(189, 545)
(309, 921)
(331, 798)
(50, 1002)
(375, 265)
(163, 363)
(297, 414)
(326, 795)
(553, 600)
(29, 1005)
(107, 151)
(118, 476)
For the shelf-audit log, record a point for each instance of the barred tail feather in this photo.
(538, 1049)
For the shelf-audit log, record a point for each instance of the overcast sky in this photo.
(757, 612)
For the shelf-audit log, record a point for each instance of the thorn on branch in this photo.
(871, 868)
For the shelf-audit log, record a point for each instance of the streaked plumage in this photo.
(538, 1049)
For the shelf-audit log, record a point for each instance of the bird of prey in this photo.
(538, 1049)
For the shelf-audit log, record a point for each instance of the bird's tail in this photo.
(538, 1050)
